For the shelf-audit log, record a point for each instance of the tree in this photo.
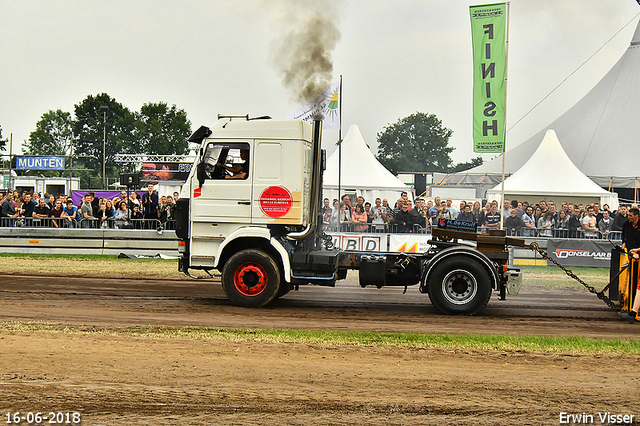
(162, 130)
(416, 143)
(53, 135)
(88, 129)
(460, 167)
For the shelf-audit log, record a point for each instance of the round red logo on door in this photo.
(275, 201)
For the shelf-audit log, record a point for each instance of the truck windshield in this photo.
(224, 153)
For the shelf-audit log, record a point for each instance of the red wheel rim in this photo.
(250, 279)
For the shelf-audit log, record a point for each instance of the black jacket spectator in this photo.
(403, 221)
(465, 216)
(513, 224)
(28, 208)
(631, 235)
(8, 209)
(418, 219)
(150, 205)
(618, 222)
(574, 225)
(95, 202)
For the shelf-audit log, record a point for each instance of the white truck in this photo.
(250, 209)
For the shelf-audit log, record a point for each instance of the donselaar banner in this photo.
(590, 253)
(488, 34)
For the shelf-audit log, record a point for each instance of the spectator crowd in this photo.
(126, 211)
(543, 219)
(150, 211)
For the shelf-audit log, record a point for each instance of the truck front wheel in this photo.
(251, 278)
(459, 285)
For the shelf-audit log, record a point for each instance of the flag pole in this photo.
(504, 144)
(340, 144)
(10, 155)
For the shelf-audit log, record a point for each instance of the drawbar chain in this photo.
(534, 246)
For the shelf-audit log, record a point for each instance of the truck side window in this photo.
(227, 161)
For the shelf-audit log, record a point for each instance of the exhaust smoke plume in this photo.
(303, 53)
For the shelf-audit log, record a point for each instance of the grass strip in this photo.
(483, 342)
(92, 266)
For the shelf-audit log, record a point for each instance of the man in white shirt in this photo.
(589, 224)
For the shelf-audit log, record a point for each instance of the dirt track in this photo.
(134, 380)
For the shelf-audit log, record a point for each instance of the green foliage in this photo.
(53, 135)
(416, 143)
(156, 129)
(162, 130)
(89, 126)
(460, 167)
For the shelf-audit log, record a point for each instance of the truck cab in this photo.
(252, 200)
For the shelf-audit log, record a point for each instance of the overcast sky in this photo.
(397, 57)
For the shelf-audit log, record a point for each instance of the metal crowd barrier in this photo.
(538, 233)
(565, 233)
(109, 223)
(373, 228)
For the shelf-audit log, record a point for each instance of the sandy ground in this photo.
(120, 380)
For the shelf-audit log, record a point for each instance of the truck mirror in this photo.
(201, 173)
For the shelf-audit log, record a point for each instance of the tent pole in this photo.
(11, 185)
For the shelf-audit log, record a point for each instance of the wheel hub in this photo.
(250, 279)
(459, 287)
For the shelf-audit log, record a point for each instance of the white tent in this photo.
(551, 175)
(362, 174)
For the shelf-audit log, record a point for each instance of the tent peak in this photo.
(635, 40)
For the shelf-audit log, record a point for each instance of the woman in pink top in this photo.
(359, 219)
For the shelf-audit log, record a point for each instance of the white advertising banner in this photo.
(409, 243)
(360, 242)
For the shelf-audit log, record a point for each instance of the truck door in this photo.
(222, 189)
(281, 181)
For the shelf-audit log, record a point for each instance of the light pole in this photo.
(104, 110)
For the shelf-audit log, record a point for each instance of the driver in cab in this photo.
(240, 171)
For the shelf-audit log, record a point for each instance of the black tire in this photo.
(251, 278)
(459, 285)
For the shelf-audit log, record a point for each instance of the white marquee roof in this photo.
(550, 172)
(360, 169)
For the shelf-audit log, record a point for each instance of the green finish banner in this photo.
(488, 35)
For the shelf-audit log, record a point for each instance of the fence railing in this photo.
(107, 223)
(394, 228)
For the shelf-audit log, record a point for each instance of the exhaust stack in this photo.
(316, 184)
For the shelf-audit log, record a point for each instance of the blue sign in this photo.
(40, 163)
(457, 225)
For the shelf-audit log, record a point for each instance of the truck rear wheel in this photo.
(251, 278)
(459, 285)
